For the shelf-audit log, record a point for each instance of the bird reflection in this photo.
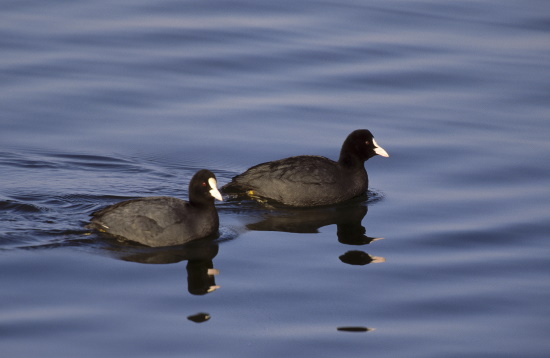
(355, 329)
(360, 258)
(347, 217)
(200, 277)
(199, 317)
(198, 254)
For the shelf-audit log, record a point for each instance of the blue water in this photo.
(103, 101)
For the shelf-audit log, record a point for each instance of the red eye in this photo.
(203, 184)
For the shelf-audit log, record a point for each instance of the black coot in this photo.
(312, 180)
(164, 221)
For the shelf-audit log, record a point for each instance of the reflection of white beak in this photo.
(214, 189)
(213, 272)
(377, 259)
(212, 288)
(379, 150)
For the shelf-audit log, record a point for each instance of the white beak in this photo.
(379, 150)
(214, 189)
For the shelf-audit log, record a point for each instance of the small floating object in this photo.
(355, 329)
(199, 317)
(360, 258)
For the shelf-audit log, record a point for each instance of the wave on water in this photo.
(51, 207)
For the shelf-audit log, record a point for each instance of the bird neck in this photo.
(200, 201)
(349, 157)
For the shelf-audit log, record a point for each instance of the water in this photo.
(105, 101)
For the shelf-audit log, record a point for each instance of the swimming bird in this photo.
(308, 180)
(164, 221)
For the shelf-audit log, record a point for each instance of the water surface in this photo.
(447, 255)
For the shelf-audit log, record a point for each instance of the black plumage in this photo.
(164, 221)
(308, 180)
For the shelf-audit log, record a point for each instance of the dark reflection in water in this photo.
(355, 329)
(199, 317)
(205, 249)
(198, 254)
(200, 277)
(347, 217)
(360, 258)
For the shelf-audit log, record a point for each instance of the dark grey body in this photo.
(302, 181)
(157, 221)
(308, 180)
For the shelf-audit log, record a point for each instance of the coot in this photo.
(308, 180)
(164, 221)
